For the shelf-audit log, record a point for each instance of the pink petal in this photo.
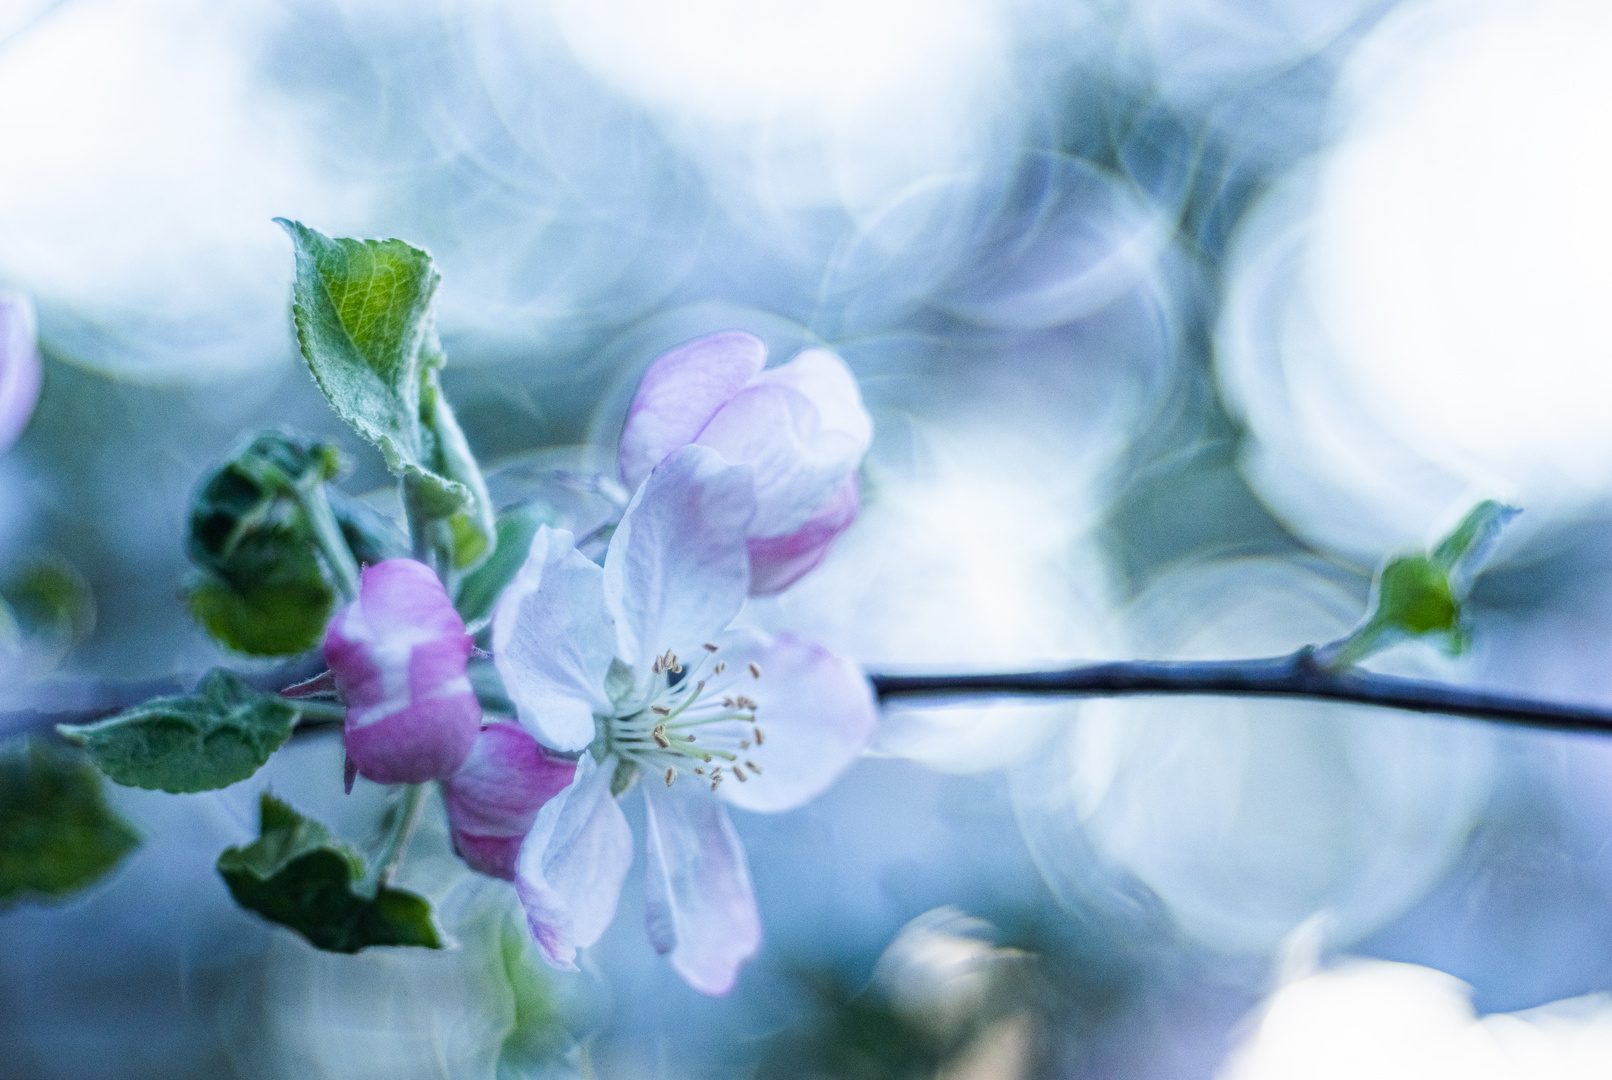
(815, 710)
(700, 907)
(571, 865)
(398, 655)
(680, 393)
(494, 799)
(678, 570)
(553, 641)
(20, 368)
(777, 562)
(798, 461)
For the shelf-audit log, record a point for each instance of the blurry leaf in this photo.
(370, 535)
(210, 739)
(56, 832)
(1420, 595)
(295, 874)
(363, 315)
(538, 1035)
(263, 588)
(50, 602)
(480, 590)
(471, 527)
(1462, 552)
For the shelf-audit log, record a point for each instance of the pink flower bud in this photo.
(494, 799)
(398, 653)
(800, 427)
(19, 367)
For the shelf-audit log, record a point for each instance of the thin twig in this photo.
(1297, 675)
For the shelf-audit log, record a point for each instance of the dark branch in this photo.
(1294, 676)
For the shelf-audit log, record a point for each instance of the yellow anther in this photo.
(755, 670)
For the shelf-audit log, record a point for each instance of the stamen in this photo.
(715, 783)
(660, 710)
(720, 668)
(760, 737)
(744, 744)
(671, 774)
(743, 702)
(738, 774)
(659, 735)
(655, 668)
(729, 703)
(753, 767)
(755, 670)
(698, 771)
(708, 647)
(688, 738)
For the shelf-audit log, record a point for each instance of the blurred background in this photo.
(1175, 318)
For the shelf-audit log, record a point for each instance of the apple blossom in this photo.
(800, 426)
(634, 663)
(398, 654)
(493, 800)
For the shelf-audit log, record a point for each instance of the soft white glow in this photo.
(1402, 1022)
(1417, 318)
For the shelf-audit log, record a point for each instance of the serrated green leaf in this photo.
(215, 737)
(57, 833)
(297, 875)
(364, 322)
(480, 590)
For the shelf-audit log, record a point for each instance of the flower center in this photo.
(684, 729)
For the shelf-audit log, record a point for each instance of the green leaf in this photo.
(370, 535)
(480, 590)
(364, 322)
(295, 874)
(262, 586)
(471, 527)
(1462, 552)
(50, 602)
(221, 734)
(57, 834)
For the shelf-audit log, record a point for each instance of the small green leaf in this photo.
(364, 323)
(472, 527)
(50, 603)
(262, 586)
(1414, 596)
(57, 834)
(221, 734)
(1462, 552)
(480, 590)
(295, 874)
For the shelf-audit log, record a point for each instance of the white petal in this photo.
(572, 864)
(700, 907)
(799, 462)
(828, 384)
(815, 709)
(678, 569)
(553, 641)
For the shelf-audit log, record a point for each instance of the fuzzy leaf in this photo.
(221, 734)
(57, 834)
(297, 875)
(363, 315)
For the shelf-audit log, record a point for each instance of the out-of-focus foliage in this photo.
(297, 875)
(57, 834)
(46, 608)
(262, 588)
(480, 589)
(219, 735)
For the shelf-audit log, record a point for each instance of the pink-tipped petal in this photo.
(571, 866)
(777, 562)
(798, 462)
(700, 908)
(553, 641)
(680, 393)
(20, 368)
(816, 712)
(398, 654)
(494, 799)
(677, 570)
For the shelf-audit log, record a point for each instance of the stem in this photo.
(328, 535)
(397, 841)
(1298, 675)
(312, 713)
